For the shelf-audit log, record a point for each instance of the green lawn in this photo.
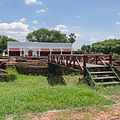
(32, 94)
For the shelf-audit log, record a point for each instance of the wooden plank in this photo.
(110, 59)
(81, 55)
(89, 75)
(92, 60)
(107, 83)
(115, 74)
(81, 67)
(77, 70)
(102, 61)
(96, 66)
(101, 78)
(103, 72)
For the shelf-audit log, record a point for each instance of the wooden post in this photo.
(86, 59)
(57, 59)
(48, 58)
(110, 59)
(61, 59)
(79, 58)
(73, 61)
(66, 60)
(96, 59)
(84, 65)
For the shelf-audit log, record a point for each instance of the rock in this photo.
(44, 118)
(35, 118)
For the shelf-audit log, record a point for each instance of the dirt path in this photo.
(105, 113)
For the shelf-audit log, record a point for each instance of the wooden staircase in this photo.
(103, 75)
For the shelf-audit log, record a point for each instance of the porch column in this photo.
(39, 53)
(50, 52)
(20, 52)
(61, 52)
(8, 52)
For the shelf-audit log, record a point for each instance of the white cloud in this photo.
(43, 23)
(111, 37)
(77, 16)
(35, 22)
(39, 3)
(117, 23)
(34, 28)
(41, 11)
(16, 30)
(22, 20)
(92, 40)
(78, 35)
(119, 13)
(62, 28)
(29, 2)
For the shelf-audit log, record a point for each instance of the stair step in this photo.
(101, 78)
(104, 72)
(107, 83)
(99, 66)
(2, 70)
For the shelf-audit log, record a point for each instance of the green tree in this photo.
(86, 48)
(79, 51)
(3, 42)
(107, 46)
(72, 38)
(45, 35)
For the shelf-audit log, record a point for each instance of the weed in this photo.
(32, 94)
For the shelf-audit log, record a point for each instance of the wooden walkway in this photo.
(81, 61)
(95, 67)
(88, 65)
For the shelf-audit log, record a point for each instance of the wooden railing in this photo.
(79, 62)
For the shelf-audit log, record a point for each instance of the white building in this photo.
(38, 48)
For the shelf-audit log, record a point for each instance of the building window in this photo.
(37, 52)
(44, 53)
(14, 53)
(22, 52)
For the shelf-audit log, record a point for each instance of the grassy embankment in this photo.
(32, 94)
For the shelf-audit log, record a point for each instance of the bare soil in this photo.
(98, 113)
(107, 113)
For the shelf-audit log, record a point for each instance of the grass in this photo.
(32, 94)
(113, 92)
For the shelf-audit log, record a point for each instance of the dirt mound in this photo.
(30, 65)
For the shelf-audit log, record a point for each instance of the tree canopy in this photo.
(72, 38)
(45, 35)
(3, 42)
(86, 48)
(107, 46)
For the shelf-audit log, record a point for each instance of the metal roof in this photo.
(39, 45)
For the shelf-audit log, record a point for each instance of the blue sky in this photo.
(90, 20)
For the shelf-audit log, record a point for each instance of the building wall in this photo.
(34, 46)
(39, 45)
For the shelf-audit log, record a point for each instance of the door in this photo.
(30, 53)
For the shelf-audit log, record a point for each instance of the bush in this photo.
(116, 55)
